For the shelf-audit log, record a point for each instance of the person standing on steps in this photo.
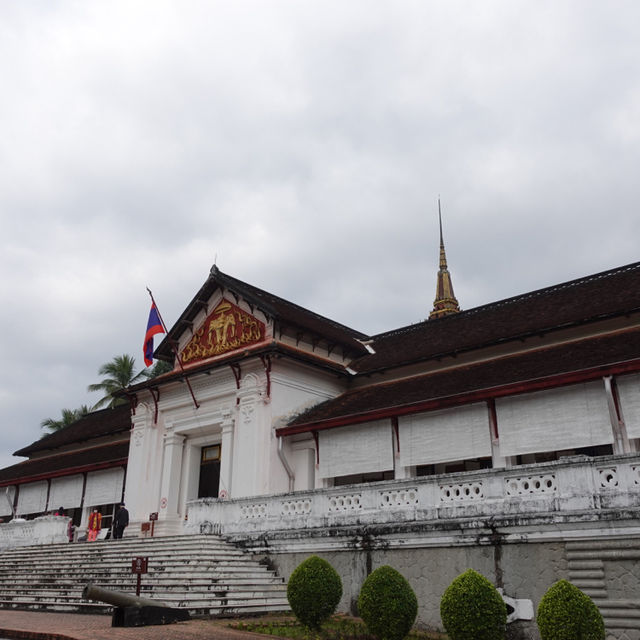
(120, 522)
(94, 525)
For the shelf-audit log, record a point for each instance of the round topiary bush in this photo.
(314, 591)
(566, 613)
(387, 604)
(472, 609)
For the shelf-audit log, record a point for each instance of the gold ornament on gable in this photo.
(227, 328)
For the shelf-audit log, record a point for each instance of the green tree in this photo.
(159, 368)
(314, 591)
(120, 373)
(472, 609)
(69, 416)
(566, 613)
(387, 604)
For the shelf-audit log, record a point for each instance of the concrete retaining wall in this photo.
(601, 559)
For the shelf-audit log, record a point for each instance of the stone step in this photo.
(123, 585)
(587, 574)
(194, 543)
(148, 585)
(596, 545)
(153, 564)
(588, 584)
(620, 623)
(625, 614)
(202, 610)
(174, 600)
(596, 593)
(125, 567)
(175, 593)
(604, 554)
(164, 556)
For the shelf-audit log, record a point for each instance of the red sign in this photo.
(139, 564)
(153, 516)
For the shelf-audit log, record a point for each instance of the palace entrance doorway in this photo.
(209, 482)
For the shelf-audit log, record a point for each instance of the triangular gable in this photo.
(226, 328)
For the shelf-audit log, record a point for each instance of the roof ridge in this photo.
(339, 325)
(513, 299)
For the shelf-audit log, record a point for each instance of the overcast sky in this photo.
(305, 145)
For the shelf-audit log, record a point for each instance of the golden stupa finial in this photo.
(445, 302)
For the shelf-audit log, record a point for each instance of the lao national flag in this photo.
(153, 326)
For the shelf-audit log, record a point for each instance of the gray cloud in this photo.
(304, 144)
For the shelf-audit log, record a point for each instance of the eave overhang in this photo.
(479, 395)
(273, 348)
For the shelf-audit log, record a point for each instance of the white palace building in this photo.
(283, 400)
(504, 437)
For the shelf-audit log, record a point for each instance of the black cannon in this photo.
(133, 611)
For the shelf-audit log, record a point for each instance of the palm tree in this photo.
(160, 367)
(69, 416)
(120, 372)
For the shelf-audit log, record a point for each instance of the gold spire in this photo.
(445, 302)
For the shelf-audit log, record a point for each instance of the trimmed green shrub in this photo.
(314, 591)
(566, 613)
(387, 604)
(472, 609)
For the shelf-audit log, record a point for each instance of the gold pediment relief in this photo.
(227, 328)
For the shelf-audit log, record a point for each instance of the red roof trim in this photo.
(515, 388)
(70, 471)
(255, 351)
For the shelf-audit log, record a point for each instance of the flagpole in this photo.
(175, 350)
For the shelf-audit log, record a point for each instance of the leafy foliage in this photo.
(159, 368)
(566, 613)
(387, 604)
(120, 374)
(69, 416)
(314, 591)
(472, 609)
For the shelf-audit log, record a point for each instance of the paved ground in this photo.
(36, 625)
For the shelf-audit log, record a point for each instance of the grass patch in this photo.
(338, 627)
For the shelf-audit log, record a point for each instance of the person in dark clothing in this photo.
(121, 521)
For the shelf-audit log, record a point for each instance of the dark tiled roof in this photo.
(66, 463)
(94, 425)
(602, 295)
(284, 312)
(485, 376)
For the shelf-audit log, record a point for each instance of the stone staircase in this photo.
(201, 573)
(595, 564)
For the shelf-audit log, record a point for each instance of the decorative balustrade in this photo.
(295, 507)
(252, 511)
(43, 530)
(348, 502)
(461, 492)
(398, 498)
(608, 478)
(576, 484)
(531, 485)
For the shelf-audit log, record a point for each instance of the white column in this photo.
(144, 469)
(620, 440)
(251, 440)
(226, 454)
(497, 461)
(399, 470)
(171, 473)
